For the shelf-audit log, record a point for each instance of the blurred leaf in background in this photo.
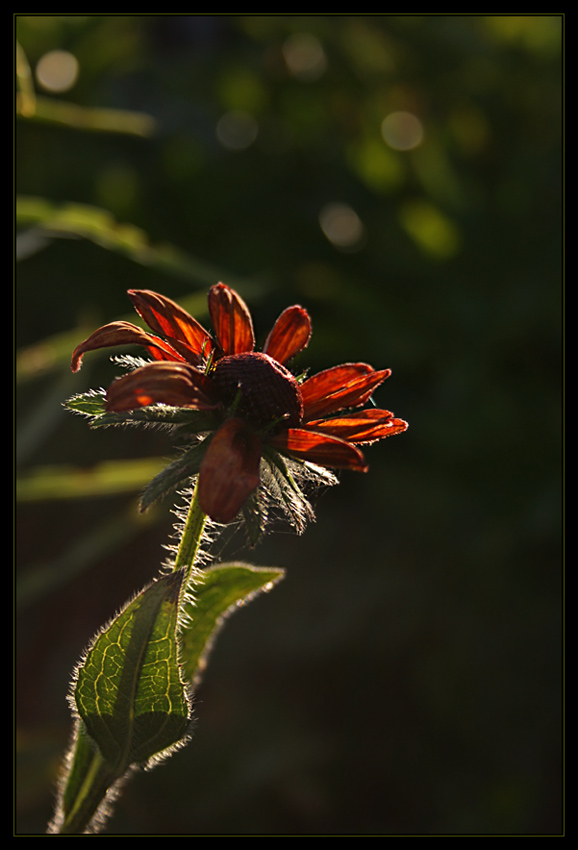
(400, 176)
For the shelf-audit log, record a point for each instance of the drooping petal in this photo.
(165, 317)
(177, 384)
(320, 449)
(349, 385)
(363, 427)
(229, 471)
(123, 333)
(290, 335)
(231, 320)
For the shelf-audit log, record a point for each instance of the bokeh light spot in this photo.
(430, 229)
(342, 226)
(304, 56)
(237, 130)
(402, 131)
(57, 71)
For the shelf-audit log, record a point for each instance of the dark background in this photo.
(405, 677)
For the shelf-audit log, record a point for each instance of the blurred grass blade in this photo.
(53, 111)
(39, 219)
(100, 227)
(74, 482)
(26, 97)
(92, 119)
(46, 576)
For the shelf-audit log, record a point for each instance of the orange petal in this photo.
(231, 320)
(363, 427)
(320, 449)
(349, 385)
(165, 317)
(123, 333)
(230, 471)
(290, 335)
(177, 384)
(326, 382)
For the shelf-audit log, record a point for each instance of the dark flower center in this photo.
(259, 390)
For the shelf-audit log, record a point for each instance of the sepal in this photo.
(92, 405)
(176, 474)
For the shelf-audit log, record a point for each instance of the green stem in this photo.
(192, 534)
(97, 781)
(90, 776)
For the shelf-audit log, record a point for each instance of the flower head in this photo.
(248, 403)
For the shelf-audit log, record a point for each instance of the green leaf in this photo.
(129, 692)
(132, 706)
(219, 592)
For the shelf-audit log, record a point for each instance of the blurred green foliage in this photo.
(401, 177)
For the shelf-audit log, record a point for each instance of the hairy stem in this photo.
(192, 535)
(78, 806)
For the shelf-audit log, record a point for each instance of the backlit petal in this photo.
(320, 449)
(123, 333)
(229, 471)
(290, 334)
(231, 320)
(165, 317)
(363, 427)
(177, 384)
(349, 385)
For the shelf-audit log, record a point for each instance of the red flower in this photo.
(251, 399)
